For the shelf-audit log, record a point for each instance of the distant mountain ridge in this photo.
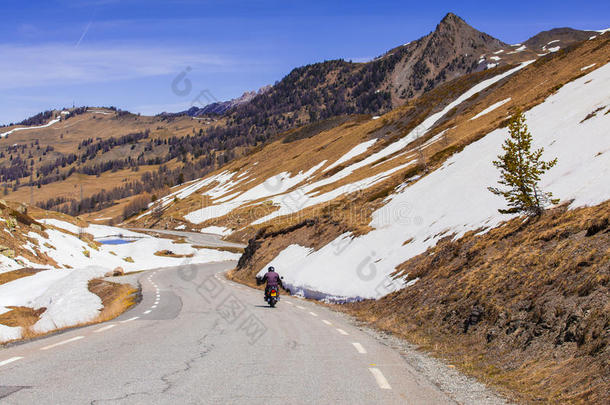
(337, 87)
(220, 107)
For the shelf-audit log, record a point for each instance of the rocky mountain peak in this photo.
(451, 21)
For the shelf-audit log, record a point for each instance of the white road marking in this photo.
(313, 313)
(104, 328)
(12, 359)
(62, 342)
(154, 306)
(341, 331)
(381, 381)
(130, 319)
(326, 322)
(288, 302)
(359, 348)
(300, 307)
(147, 312)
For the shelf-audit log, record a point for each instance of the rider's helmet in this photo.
(271, 268)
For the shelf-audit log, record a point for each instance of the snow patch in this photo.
(491, 108)
(5, 134)
(355, 151)
(520, 49)
(277, 184)
(9, 333)
(69, 301)
(217, 230)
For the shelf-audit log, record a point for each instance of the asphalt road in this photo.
(197, 338)
(195, 238)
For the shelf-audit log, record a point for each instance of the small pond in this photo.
(115, 241)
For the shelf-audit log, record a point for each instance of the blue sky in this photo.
(127, 53)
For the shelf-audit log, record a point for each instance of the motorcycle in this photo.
(272, 296)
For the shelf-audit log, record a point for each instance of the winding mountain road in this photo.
(198, 338)
(196, 238)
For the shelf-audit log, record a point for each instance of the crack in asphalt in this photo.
(121, 398)
(166, 378)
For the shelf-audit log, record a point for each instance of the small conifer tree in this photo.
(520, 171)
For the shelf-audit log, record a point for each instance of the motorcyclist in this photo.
(272, 279)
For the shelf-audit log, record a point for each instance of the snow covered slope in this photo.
(404, 181)
(454, 199)
(73, 261)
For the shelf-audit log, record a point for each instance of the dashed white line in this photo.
(326, 322)
(147, 312)
(130, 319)
(154, 306)
(290, 303)
(381, 381)
(62, 342)
(104, 328)
(341, 331)
(12, 359)
(313, 313)
(300, 307)
(359, 348)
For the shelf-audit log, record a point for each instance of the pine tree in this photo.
(520, 171)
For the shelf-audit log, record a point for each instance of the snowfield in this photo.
(454, 199)
(291, 194)
(64, 290)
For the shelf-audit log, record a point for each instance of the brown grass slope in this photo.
(65, 136)
(525, 306)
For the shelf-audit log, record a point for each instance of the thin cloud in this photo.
(40, 65)
(84, 33)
